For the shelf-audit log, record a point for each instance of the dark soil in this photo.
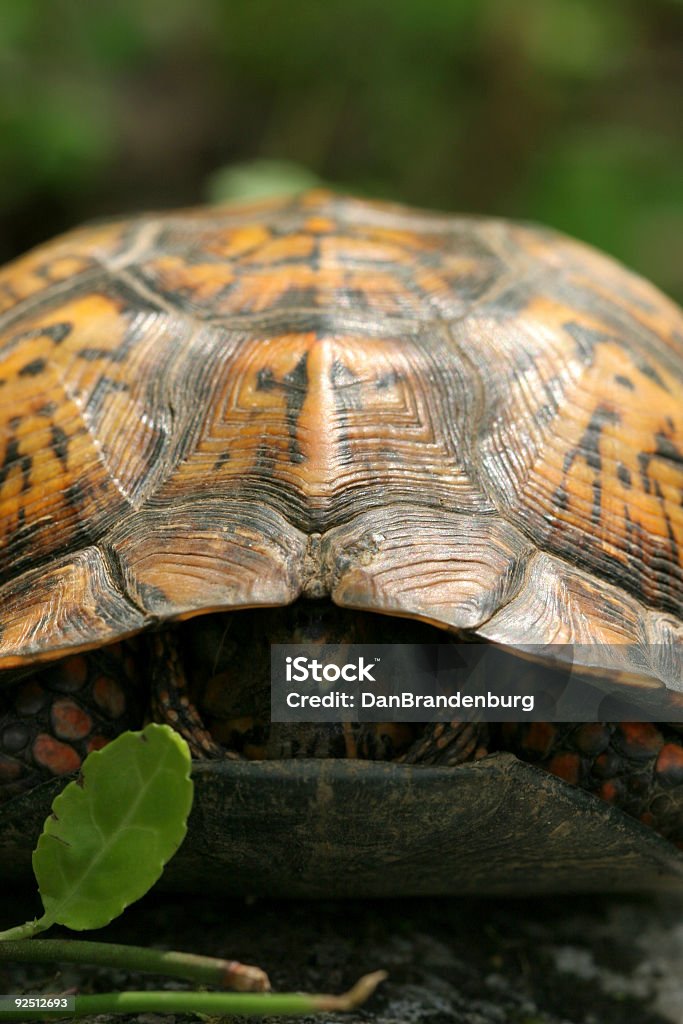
(555, 961)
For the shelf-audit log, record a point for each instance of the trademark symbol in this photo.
(378, 659)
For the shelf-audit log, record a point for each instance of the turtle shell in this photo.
(466, 421)
(365, 829)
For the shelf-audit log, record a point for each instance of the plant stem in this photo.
(211, 1003)
(20, 932)
(202, 970)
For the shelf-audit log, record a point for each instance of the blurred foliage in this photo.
(257, 179)
(564, 111)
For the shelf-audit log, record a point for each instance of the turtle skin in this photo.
(52, 719)
(466, 422)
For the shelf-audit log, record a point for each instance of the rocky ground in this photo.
(550, 961)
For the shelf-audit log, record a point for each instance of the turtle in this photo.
(325, 419)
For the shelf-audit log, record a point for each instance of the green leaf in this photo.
(260, 179)
(111, 832)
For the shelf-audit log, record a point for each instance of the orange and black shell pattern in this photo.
(469, 422)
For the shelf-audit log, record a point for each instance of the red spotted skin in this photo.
(637, 766)
(51, 720)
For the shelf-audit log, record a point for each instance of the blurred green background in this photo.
(563, 111)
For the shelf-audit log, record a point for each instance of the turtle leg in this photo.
(637, 766)
(170, 702)
(449, 743)
(351, 741)
(52, 718)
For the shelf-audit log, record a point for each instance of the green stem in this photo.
(291, 1004)
(23, 931)
(203, 970)
(212, 1003)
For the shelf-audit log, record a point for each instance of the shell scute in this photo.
(463, 420)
